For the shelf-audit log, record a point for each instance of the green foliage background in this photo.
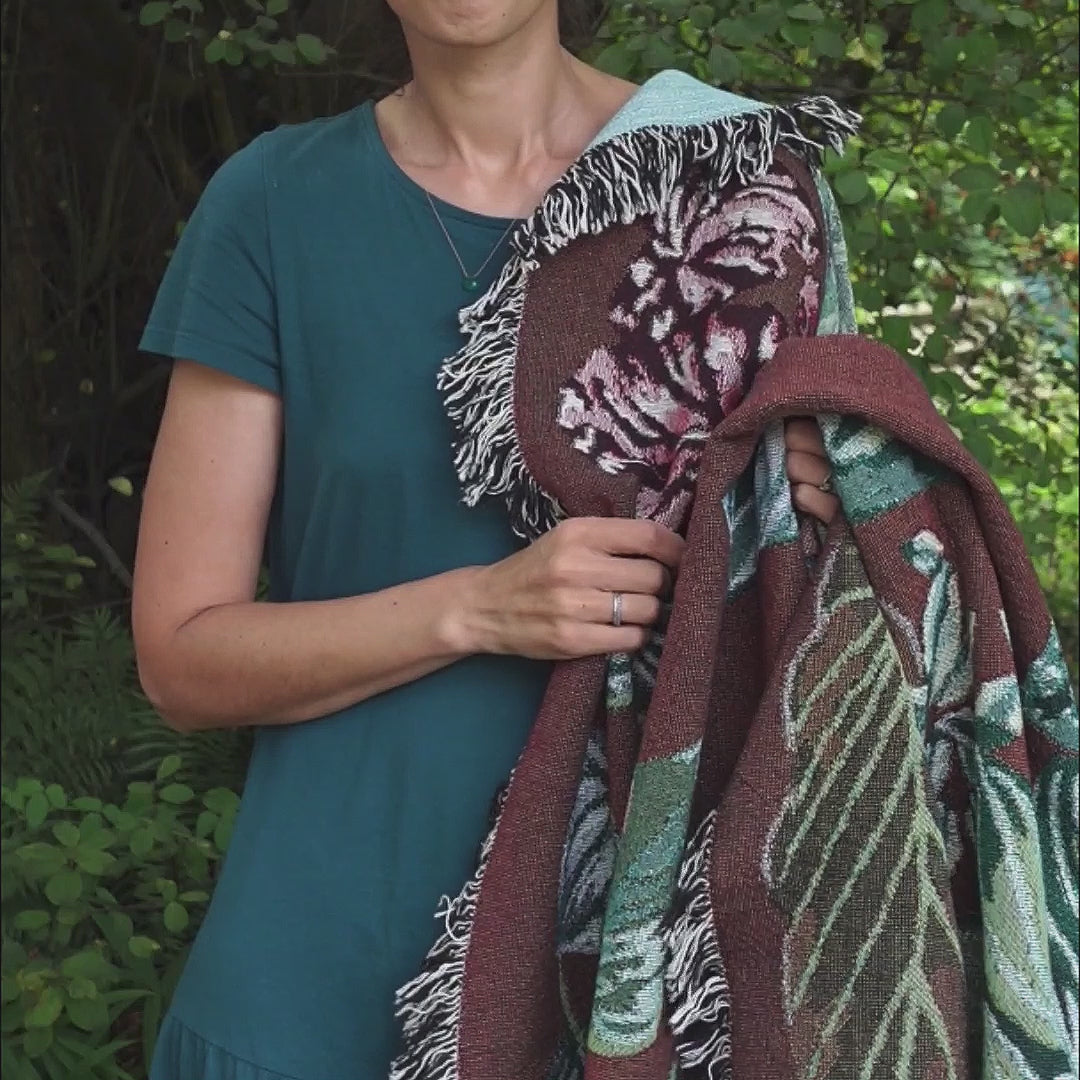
(960, 200)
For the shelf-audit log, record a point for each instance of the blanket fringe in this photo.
(616, 181)
(695, 980)
(429, 1005)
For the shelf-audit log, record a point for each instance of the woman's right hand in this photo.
(554, 599)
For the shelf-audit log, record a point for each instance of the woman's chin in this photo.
(468, 24)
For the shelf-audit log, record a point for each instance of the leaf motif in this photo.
(588, 857)
(1025, 1028)
(778, 523)
(855, 858)
(629, 983)
(740, 512)
(873, 473)
(1057, 810)
(1048, 698)
(946, 642)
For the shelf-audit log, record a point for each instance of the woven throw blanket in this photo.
(825, 824)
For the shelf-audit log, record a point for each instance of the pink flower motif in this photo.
(687, 348)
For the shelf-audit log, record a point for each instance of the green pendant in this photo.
(470, 284)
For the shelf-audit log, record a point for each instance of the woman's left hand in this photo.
(808, 469)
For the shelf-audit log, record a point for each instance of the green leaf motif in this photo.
(872, 471)
(1027, 1033)
(776, 515)
(1048, 698)
(629, 996)
(855, 858)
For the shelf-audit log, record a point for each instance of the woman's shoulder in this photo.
(312, 147)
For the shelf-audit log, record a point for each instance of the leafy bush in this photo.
(100, 903)
(73, 711)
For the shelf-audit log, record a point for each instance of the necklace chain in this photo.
(469, 282)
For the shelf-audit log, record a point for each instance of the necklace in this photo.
(469, 282)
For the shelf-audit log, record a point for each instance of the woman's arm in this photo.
(210, 656)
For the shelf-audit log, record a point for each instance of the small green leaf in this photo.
(976, 178)
(223, 834)
(234, 53)
(121, 485)
(175, 916)
(215, 50)
(275, 8)
(1019, 17)
(169, 765)
(221, 800)
(142, 947)
(806, 13)
(64, 887)
(851, 187)
(828, 43)
(93, 861)
(142, 842)
(88, 1014)
(889, 160)
(724, 65)
(80, 987)
(702, 16)
(951, 119)
(42, 858)
(204, 824)
(87, 804)
(176, 794)
(70, 916)
(32, 920)
(153, 12)
(977, 206)
(37, 809)
(88, 964)
(979, 134)
(311, 48)
(284, 52)
(1022, 208)
(194, 896)
(55, 794)
(66, 833)
(35, 1043)
(176, 30)
(47, 1010)
(1060, 206)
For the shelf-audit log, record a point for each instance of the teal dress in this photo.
(314, 268)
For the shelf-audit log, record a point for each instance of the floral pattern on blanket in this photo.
(647, 402)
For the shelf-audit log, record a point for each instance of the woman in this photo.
(308, 306)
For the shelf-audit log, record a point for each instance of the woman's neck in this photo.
(491, 128)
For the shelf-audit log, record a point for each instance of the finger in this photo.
(628, 536)
(803, 434)
(803, 468)
(622, 573)
(592, 639)
(815, 502)
(598, 606)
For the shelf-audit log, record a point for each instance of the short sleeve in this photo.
(216, 305)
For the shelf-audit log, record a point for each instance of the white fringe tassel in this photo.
(695, 980)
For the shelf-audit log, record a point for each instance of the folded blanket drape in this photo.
(825, 824)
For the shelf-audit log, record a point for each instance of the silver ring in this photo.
(616, 609)
(826, 485)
